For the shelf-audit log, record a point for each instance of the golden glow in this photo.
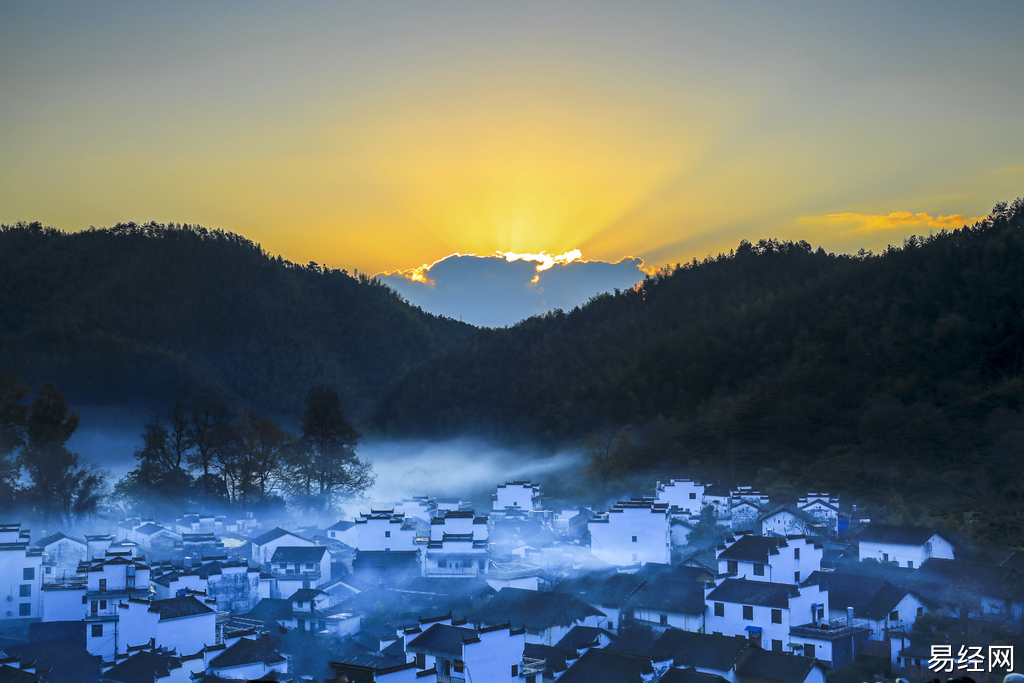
(899, 220)
(543, 259)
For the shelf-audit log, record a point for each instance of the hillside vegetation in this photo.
(898, 372)
(148, 314)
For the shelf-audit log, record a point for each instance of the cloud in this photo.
(504, 288)
(899, 220)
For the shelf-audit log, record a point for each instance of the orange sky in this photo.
(383, 136)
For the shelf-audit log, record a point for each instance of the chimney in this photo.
(849, 616)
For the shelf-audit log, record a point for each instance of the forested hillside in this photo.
(851, 371)
(142, 315)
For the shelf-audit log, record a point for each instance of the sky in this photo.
(432, 143)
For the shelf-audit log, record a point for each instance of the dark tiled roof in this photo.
(305, 594)
(704, 650)
(271, 609)
(533, 609)
(791, 509)
(172, 608)
(43, 542)
(579, 636)
(298, 553)
(604, 666)
(66, 659)
(607, 587)
(870, 598)
(899, 535)
(343, 525)
(717, 490)
(670, 594)
(746, 592)
(690, 676)
(753, 549)
(441, 638)
(555, 660)
(150, 528)
(9, 674)
(247, 651)
(775, 666)
(270, 536)
(143, 667)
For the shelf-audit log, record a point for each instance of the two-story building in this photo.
(20, 574)
(685, 495)
(762, 611)
(466, 655)
(632, 532)
(185, 624)
(457, 547)
(770, 558)
(295, 567)
(109, 581)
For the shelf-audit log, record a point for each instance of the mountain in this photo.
(142, 315)
(863, 371)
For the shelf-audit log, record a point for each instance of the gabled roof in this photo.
(555, 660)
(298, 553)
(343, 525)
(184, 606)
(667, 593)
(897, 535)
(776, 666)
(791, 509)
(580, 636)
(717, 491)
(746, 592)
(442, 639)
(533, 609)
(606, 587)
(690, 676)
(143, 667)
(305, 594)
(870, 598)
(754, 549)
(704, 650)
(271, 609)
(272, 535)
(150, 528)
(247, 651)
(66, 659)
(53, 538)
(604, 666)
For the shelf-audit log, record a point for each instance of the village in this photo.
(428, 590)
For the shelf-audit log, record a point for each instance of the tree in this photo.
(13, 416)
(61, 487)
(254, 464)
(211, 439)
(609, 453)
(159, 477)
(325, 470)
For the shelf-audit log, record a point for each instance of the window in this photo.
(808, 649)
(758, 569)
(103, 604)
(664, 620)
(796, 553)
(387, 534)
(25, 590)
(25, 609)
(103, 584)
(421, 660)
(719, 609)
(97, 630)
(459, 666)
(302, 624)
(693, 496)
(796, 577)
(885, 557)
(777, 645)
(28, 574)
(910, 564)
(821, 612)
(634, 539)
(532, 678)
(442, 563)
(776, 616)
(920, 611)
(732, 567)
(748, 613)
(515, 670)
(894, 615)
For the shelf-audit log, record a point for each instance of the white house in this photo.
(770, 558)
(668, 601)
(384, 530)
(548, 617)
(884, 606)
(483, 654)
(787, 520)
(457, 547)
(62, 555)
(685, 495)
(520, 495)
(905, 546)
(763, 612)
(20, 573)
(246, 659)
(185, 624)
(265, 545)
(823, 507)
(632, 533)
(719, 497)
(344, 532)
(295, 567)
(110, 580)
